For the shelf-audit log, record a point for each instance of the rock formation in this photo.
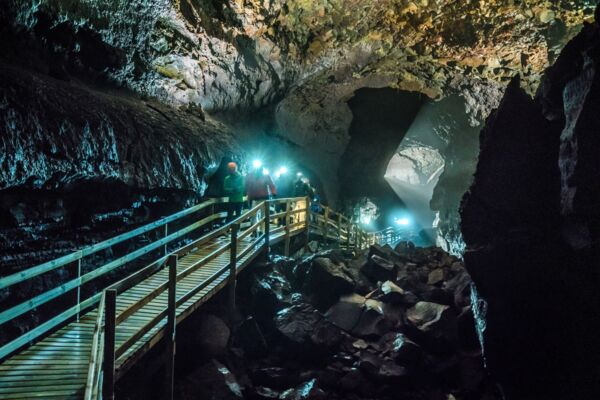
(530, 222)
(407, 335)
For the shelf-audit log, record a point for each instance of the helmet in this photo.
(232, 166)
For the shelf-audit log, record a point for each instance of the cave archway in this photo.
(381, 118)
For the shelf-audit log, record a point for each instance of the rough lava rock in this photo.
(530, 222)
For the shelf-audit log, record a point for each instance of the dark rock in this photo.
(303, 325)
(460, 285)
(391, 372)
(250, 338)
(306, 391)
(438, 295)
(392, 293)
(369, 362)
(353, 380)
(436, 276)
(379, 269)
(405, 248)
(325, 281)
(467, 332)
(372, 323)
(472, 373)
(436, 321)
(394, 315)
(531, 226)
(264, 393)
(270, 291)
(212, 335)
(403, 350)
(212, 381)
(347, 312)
(297, 323)
(274, 377)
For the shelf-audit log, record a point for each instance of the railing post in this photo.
(307, 220)
(233, 269)
(166, 231)
(286, 250)
(267, 227)
(171, 327)
(108, 374)
(348, 234)
(78, 288)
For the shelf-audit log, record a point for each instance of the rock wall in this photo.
(530, 222)
(68, 148)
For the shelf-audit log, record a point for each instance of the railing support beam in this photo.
(171, 328)
(233, 270)
(286, 248)
(267, 212)
(108, 374)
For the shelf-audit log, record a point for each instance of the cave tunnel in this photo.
(380, 120)
(299, 200)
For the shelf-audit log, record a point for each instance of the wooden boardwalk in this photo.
(82, 358)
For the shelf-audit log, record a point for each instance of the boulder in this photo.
(353, 380)
(346, 312)
(264, 393)
(436, 321)
(212, 335)
(305, 391)
(212, 381)
(460, 285)
(278, 378)
(436, 276)
(250, 338)
(296, 323)
(325, 281)
(270, 291)
(372, 323)
(378, 269)
(392, 293)
(303, 325)
(404, 351)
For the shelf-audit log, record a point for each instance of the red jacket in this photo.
(260, 186)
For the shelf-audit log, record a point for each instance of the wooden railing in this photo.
(278, 218)
(75, 260)
(336, 227)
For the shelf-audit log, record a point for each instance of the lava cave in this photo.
(300, 200)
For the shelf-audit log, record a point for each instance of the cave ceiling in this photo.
(246, 53)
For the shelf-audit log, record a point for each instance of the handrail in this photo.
(94, 370)
(76, 283)
(89, 250)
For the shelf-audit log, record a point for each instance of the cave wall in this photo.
(67, 148)
(530, 223)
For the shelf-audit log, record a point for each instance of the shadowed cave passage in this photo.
(381, 118)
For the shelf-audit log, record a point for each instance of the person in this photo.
(234, 188)
(259, 187)
(302, 188)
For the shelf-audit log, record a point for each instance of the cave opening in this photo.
(380, 119)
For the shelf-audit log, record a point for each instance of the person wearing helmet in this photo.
(235, 189)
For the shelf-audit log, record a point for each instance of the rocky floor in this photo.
(386, 324)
